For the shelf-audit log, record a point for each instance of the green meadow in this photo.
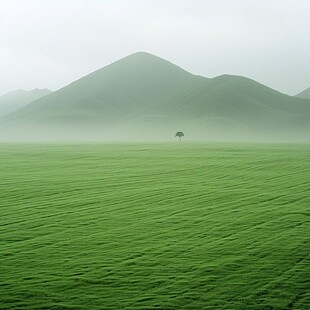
(144, 226)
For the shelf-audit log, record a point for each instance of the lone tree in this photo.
(179, 134)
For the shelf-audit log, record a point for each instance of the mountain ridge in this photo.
(16, 99)
(304, 94)
(143, 93)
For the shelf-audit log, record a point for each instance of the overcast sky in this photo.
(50, 43)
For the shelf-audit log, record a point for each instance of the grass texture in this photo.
(144, 226)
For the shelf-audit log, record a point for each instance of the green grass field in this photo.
(144, 226)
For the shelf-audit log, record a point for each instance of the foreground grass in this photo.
(192, 226)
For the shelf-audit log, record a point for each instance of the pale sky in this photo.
(50, 43)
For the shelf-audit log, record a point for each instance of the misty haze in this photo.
(154, 154)
(143, 97)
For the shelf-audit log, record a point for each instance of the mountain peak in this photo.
(142, 54)
(140, 69)
(145, 94)
(144, 58)
(144, 61)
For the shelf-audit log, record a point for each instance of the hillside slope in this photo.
(235, 106)
(15, 100)
(304, 94)
(145, 97)
(119, 89)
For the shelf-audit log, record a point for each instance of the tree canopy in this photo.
(179, 134)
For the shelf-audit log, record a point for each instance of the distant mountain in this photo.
(17, 99)
(304, 94)
(145, 97)
(126, 86)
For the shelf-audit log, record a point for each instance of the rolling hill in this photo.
(145, 97)
(304, 94)
(13, 101)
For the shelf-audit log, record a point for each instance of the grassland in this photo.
(169, 226)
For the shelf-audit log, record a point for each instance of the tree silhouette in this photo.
(179, 134)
